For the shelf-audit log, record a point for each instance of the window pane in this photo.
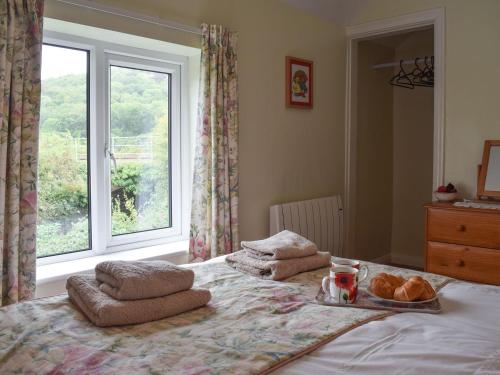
(63, 194)
(140, 172)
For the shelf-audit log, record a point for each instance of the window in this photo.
(63, 175)
(110, 166)
(139, 150)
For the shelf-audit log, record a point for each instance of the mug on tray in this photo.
(342, 284)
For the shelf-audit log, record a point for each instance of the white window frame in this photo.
(113, 59)
(102, 55)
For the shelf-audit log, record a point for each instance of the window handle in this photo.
(109, 154)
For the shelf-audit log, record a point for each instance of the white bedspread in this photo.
(463, 339)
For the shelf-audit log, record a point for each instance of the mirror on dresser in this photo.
(489, 172)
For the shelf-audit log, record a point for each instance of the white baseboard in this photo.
(386, 258)
(402, 259)
(407, 260)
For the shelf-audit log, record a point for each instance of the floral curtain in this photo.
(214, 212)
(20, 61)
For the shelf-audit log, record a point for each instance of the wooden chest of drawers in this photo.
(463, 242)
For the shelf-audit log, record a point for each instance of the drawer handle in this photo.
(461, 228)
(460, 263)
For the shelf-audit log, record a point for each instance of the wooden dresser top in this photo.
(450, 206)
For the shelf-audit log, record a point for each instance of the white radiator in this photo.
(319, 220)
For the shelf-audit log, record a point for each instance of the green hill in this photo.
(136, 103)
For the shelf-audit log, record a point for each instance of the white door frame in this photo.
(433, 17)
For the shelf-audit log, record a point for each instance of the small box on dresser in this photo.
(463, 243)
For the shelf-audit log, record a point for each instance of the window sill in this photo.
(60, 271)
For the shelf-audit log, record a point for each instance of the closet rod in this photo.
(89, 4)
(396, 63)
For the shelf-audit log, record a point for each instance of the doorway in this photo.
(394, 136)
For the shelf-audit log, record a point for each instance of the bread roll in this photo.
(395, 280)
(428, 292)
(410, 290)
(381, 286)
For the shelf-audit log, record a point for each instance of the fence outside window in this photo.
(123, 148)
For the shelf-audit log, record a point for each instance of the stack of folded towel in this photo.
(283, 255)
(135, 292)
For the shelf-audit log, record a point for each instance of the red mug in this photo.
(342, 262)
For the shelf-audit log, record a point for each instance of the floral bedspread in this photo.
(250, 326)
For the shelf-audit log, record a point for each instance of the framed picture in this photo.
(299, 83)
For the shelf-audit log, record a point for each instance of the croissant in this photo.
(381, 286)
(395, 287)
(410, 290)
(428, 292)
(395, 281)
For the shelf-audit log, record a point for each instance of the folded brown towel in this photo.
(142, 279)
(283, 245)
(277, 269)
(104, 311)
(267, 257)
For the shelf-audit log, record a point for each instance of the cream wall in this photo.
(413, 134)
(293, 154)
(285, 154)
(373, 223)
(472, 112)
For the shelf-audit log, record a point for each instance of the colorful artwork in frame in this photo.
(299, 83)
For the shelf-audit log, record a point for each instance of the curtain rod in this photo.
(396, 63)
(89, 4)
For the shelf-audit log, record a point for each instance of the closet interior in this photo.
(394, 147)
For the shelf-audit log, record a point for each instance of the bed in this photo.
(257, 326)
(463, 339)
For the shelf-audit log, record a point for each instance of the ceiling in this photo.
(339, 11)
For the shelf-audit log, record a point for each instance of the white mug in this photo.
(342, 284)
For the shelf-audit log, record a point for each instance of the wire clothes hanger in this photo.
(427, 78)
(419, 76)
(416, 74)
(402, 79)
